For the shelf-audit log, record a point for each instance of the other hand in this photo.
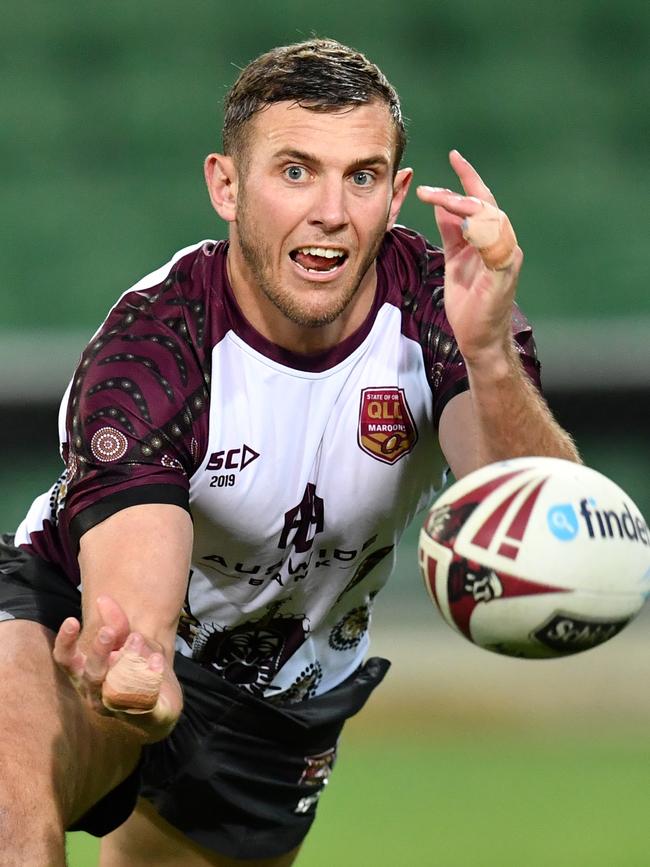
(480, 281)
(98, 657)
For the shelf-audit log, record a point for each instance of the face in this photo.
(311, 206)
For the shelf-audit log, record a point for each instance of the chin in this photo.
(311, 318)
(319, 314)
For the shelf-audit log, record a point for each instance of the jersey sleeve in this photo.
(524, 342)
(137, 410)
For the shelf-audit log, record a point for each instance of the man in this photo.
(265, 415)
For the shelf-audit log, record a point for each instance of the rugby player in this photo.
(185, 612)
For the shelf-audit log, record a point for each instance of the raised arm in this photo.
(134, 569)
(502, 415)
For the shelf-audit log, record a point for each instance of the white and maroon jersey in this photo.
(300, 472)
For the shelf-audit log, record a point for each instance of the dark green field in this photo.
(477, 800)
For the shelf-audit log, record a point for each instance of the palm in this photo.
(476, 304)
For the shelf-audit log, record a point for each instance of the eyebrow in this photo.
(304, 157)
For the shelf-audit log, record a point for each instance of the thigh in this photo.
(146, 839)
(37, 710)
(68, 756)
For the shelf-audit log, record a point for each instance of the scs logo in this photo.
(230, 459)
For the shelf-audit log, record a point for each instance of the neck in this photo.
(273, 324)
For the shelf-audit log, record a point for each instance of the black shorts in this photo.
(238, 775)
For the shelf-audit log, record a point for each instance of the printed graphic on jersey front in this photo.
(304, 521)
(232, 459)
(350, 629)
(231, 462)
(250, 654)
(387, 431)
(304, 686)
(366, 566)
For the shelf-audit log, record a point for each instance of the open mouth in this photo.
(319, 260)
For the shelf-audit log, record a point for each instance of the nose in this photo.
(329, 212)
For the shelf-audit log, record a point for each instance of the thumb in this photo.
(112, 614)
(133, 682)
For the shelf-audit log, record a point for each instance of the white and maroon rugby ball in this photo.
(536, 557)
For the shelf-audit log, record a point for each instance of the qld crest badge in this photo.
(387, 431)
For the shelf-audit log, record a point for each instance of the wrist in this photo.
(492, 363)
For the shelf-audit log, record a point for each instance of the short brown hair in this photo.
(320, 74)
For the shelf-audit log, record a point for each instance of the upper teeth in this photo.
(327, 252)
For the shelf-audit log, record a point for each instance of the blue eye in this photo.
(294, 173)
(362, 179)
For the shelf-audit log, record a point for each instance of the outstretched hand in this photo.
(482, 262)
(118, 672)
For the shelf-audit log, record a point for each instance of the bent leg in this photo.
(57, 758)
(146, 838)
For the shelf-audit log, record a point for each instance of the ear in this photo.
(401, 184)
(221, 179)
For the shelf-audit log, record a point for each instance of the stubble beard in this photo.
(257, 257)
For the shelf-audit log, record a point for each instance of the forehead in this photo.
(345, 133)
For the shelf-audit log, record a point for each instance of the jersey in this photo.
(300, 472)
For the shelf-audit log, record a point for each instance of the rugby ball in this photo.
(536, 557)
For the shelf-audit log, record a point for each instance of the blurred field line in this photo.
(35, 366)
(438, 679)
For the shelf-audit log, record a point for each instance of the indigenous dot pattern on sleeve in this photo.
(140, 394)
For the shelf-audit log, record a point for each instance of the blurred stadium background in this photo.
(107, 111)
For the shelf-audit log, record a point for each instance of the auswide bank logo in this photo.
(387, 431)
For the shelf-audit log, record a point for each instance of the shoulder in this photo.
(413, 274)
(412, 266)
(167, 312)
(182, 284)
